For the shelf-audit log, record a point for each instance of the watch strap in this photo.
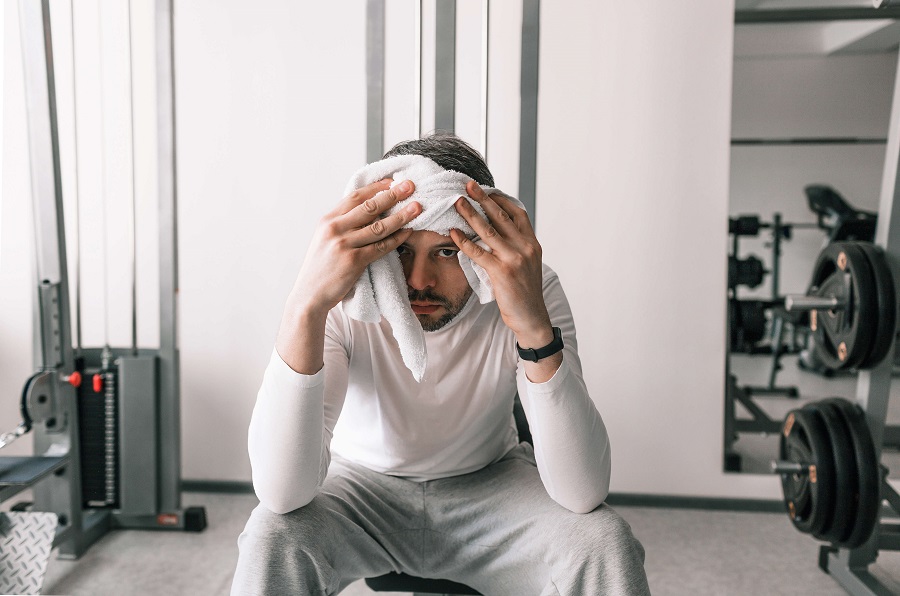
(533, 355)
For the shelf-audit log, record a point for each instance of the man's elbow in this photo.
(593, 491)
(587, 500)
(281, 501)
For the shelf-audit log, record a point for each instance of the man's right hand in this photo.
(348, 239)
(345, 242)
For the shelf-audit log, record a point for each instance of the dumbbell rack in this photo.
(849, 567)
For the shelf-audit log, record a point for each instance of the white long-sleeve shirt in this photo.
(365, 405)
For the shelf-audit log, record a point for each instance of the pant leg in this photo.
(360, 524)
(500, 532)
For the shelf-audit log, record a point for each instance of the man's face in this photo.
(436, 284)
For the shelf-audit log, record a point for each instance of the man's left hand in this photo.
(513, 263)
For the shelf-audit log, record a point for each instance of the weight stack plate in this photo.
(98, 426)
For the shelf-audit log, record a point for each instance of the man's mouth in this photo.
(424, 308)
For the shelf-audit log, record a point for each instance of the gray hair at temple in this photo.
(448, 151)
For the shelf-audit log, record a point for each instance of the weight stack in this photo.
(98, 426)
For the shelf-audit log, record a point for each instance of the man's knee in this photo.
(599, 536)
(264, 525)
(601, 555)
(284, 551)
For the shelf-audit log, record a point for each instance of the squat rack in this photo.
(849, 567)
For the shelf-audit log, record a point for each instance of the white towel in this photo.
(381, 290)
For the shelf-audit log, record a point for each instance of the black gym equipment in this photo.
(852, 306)
(844, 326)
(750, 321)
(107, 454)
(809, 493)
(886, 305)
(829, 472)
(837, 217)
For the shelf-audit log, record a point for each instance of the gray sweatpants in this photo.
(496, 530)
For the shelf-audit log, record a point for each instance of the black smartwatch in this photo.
(550, 349)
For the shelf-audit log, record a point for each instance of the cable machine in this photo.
(105, 421)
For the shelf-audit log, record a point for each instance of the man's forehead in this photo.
(428, 239)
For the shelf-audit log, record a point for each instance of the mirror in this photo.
(812, 91)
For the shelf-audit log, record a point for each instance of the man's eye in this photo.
(447, 252)
(402, 249)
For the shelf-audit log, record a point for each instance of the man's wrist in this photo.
(536, 338)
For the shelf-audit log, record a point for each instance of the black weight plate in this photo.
(794, 448)
(869, 488)
(844, 336)
(840, 523)
(887, 305)
(810, 427)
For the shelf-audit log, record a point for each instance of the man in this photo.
(428, 477)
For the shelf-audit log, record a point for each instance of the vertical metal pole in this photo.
(776, 255)
(445, 66)
(76, 202)
(374, 80)
(169, 374)
(132, 230)
(40, 92)
(485, 59)
(849, 567)
(531, 13)
(417, 108)
(61, 493)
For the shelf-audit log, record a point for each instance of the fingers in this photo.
(471, 250)
(496, 214)
(483, 228)
(371, 207)
(518, 214)
(381, 228)
(375, 250)
(359, 195)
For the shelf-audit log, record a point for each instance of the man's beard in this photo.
(452, 307)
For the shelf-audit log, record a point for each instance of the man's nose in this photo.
(420, 274)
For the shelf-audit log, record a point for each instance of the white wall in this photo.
(634, 130)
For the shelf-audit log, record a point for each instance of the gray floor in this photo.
(689, 552)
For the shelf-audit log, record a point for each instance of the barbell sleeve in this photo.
(789, 467)
(801, 302)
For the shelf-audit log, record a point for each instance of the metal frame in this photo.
(806, 15)
(374, 80)
(849, 567)
(445, 85)
(445, 66)
(61, 491)
(169, 374)
(149, 430)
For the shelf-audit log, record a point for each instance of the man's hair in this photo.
(448, 151)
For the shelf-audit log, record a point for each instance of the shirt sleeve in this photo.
(571, 444)
(292, 423)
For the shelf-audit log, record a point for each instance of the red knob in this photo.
(74, 379)
(98, 383)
